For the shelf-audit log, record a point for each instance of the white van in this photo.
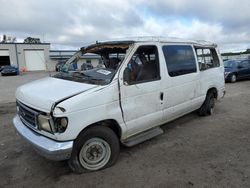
(142, 83)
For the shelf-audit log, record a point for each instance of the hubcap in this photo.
(94, 154)
(212, 103)
(233, 78)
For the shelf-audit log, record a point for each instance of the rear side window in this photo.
(244, 64)
(180, 59)
(207, 58)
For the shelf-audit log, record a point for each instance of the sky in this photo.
(70, 24)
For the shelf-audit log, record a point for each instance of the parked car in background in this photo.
(1, 68)
(59, 65)
(9, 70)
(237, 70)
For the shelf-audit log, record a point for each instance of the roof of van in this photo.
(131, 40)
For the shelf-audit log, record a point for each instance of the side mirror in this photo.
(126, 78)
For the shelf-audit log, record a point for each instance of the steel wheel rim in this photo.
(94, 154)
(212, 103)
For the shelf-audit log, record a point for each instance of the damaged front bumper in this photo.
(46, 147)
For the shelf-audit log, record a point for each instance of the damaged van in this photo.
(139, 85)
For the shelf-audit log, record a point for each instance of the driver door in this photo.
(141, 97)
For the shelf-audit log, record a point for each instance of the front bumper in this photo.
(46, 147)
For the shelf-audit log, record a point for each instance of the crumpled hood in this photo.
(42, 94)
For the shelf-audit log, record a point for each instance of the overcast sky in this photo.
(70, 24)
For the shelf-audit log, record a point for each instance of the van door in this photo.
(141, 95)
(182, 88)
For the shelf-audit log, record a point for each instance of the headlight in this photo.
(61, 124)
(45, 123)
(56, 125)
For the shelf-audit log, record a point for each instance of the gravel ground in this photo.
(193, 152)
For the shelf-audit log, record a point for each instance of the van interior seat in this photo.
(149, 71)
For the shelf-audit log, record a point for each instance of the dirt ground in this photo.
(193, 152)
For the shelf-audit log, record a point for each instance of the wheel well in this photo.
(236, 74)
(214, 91)
(111, 123)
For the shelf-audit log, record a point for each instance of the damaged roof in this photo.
(123, 44)
(110, 46)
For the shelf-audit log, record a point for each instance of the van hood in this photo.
(42, 94)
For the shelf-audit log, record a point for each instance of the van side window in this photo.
(207, 58)
(180, 59)
(144, 65)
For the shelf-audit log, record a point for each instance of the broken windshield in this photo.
(95, 64)
(97, 76)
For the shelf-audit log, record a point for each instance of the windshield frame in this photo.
(113, 47)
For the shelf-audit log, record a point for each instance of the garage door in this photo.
(4, 53)
(35, 60)
(4, 57)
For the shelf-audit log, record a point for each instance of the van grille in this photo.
(27, 115)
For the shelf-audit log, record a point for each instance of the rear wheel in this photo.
(207, 107)
(96, 148)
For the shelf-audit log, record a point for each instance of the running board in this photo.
(141, 137)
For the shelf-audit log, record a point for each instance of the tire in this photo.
(233, 78)
(207, 107)
(94, 149)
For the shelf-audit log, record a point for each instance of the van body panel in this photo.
(154, 97)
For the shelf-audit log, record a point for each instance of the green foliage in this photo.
(32, 40)
(236, 53)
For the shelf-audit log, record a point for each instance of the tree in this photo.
(8, 39)
(4, 39)
(32, 40)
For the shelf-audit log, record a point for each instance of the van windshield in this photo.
(95, 64)
(97, 76)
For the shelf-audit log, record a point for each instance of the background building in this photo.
(64, 55)
(39, 57)
(32, 57)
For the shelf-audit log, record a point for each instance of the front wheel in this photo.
(233, 78)
(96, 148)
(207, 107)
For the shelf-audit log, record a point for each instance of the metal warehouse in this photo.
(32, 57)
(63, 55)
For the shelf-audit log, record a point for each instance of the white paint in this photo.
(35, 60)
(105, 72)
(4, 53)
(141, 104)
(41, 94)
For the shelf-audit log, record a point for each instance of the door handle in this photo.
(161, 96)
